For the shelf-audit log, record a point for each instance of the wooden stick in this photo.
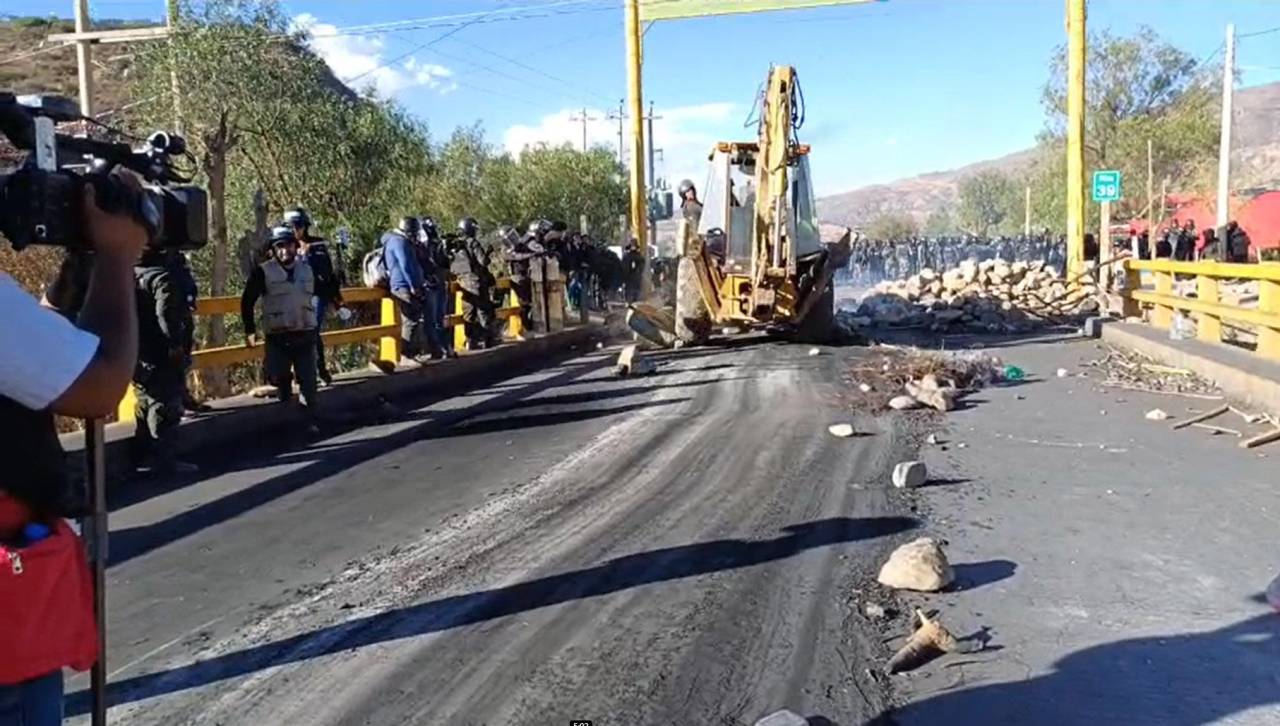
(1166, 369)
(1201, 396)
(1202, 417)
(1261, 439)
(1217, 429)
(1248, 417)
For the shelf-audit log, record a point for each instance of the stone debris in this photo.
(783, 718)
(842, 431)
(932, 439)
(1062, 372)
(903, 403)
(929, 641)
(920, 565)
(990, 296)
(1157, 414)
(874, 610)
(814, 351)
(865, 388)
(910, 474)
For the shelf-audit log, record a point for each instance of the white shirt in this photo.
(41, 352)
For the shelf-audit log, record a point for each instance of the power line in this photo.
(544, 74)
(1256, 33)
(413, 50)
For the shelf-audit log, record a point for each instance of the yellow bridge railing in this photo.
(1207, 306)
(386, 332)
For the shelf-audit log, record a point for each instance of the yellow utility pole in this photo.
(635, 57)
(1076, 41)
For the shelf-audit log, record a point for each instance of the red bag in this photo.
(46, 608)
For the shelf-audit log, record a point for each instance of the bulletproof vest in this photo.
(35, 472)
(150, 280)
(288, 305)
(692, 212)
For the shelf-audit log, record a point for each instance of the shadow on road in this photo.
(501, 422)
(1187, 679)
(972, 575)
(126, 544)
(622, 573)
(574, 399)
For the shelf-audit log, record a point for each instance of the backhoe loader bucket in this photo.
(654, 324)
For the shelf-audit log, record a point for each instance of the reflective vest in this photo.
(288, 306)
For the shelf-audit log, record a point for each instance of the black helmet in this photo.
(280, 235)
(409, 227)
(468, 226)
(429, 227)
(297, 217)
(686, 186)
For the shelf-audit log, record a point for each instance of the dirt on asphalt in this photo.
(689, 547)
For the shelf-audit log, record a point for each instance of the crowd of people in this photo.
(1180, 241)
(874, 260)
(295, 286)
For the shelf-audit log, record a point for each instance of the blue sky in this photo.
(893, 89)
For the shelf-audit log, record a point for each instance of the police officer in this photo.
(327, 284)
(520, 252)
(470, 267)
(159, 376)
(633, 269)
(690, 207)
(433, 257)
(286, 285)
(180, 269)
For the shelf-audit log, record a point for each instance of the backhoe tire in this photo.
(819, 325)
(693, 319)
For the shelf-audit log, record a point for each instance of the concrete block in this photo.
(1093, 327)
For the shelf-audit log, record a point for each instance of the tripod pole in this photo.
(94, 529)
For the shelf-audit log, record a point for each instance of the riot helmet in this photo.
(409, 227)
(297, 218)
(468, 227)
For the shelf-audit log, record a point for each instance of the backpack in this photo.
(374, 268)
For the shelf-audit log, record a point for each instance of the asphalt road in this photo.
(678, 548)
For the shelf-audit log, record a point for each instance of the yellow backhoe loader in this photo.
(757, 259)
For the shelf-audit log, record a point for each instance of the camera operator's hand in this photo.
(114, 233)
(251, 340)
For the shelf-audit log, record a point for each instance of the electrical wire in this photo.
(531, 69)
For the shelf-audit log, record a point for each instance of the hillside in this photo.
(1255, 165)
(37, 66)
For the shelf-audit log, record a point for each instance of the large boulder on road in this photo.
(919, 565)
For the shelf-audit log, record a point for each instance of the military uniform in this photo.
(470, 268)
(289, 325)
(159, 377)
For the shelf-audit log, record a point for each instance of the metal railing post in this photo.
(1161, 313)
(1269, 304)
(1208, 327)
(389, 345)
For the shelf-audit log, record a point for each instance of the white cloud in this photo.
(362, 61)
(685, 135)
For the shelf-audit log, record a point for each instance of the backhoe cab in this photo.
(757, 258)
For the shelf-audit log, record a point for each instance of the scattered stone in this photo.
(1156, 414)
(814, 351)
(865, 388)
(631, 363)
(903, 403)
(942, 399)
(843, 430)
(1062, 372)
(910, 474)
(932, 439)
(920, 565)
(599, 346)
(961, 445)
(874, 610)
(783, 718)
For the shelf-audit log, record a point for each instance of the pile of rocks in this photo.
(992, 296)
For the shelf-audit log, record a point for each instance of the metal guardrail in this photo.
(386, 332)
(1207, 305)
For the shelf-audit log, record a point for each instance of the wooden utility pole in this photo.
(584, 118)
(1224, 140)
(621, 118)
(1026, 220)
(84, 58)
(1151, 191)
(1076, 45)
(1104, 249)
(653, 177)
(171, 20)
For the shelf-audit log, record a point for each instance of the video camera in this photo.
(41, 202)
